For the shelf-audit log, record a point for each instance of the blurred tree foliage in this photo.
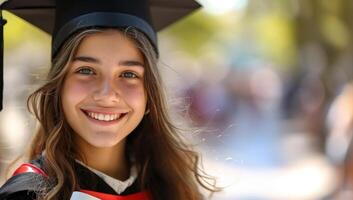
(17, 31)
(282, 30)
(195, 31)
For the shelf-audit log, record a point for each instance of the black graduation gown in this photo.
(22, 186)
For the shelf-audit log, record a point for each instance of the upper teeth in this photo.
(103, 117)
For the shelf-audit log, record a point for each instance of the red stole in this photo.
(144, 195)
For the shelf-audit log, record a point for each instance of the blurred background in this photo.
(268, 83)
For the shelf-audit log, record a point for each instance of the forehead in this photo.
(107, 44)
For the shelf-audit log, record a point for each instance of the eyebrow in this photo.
(97, 61)
(86, 59)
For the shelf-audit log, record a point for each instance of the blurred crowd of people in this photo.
(249, 117)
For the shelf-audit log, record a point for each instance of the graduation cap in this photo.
(63, 18)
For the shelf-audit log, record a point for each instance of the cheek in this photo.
(134, 95)
(73, 92)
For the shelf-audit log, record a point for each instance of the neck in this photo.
(111, 160)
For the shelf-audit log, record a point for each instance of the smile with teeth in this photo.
(104, 117)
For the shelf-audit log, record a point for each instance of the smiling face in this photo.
(103, 95)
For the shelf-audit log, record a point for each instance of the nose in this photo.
(106, 92)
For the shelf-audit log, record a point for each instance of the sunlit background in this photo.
(269, 84)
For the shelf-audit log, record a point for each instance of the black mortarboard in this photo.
(62, 18)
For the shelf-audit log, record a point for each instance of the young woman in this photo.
(105, 132)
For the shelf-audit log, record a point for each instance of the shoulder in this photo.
(22, 195)
(22, 186)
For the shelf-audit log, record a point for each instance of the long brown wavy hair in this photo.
(167, 167)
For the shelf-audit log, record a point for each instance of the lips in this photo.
(103, 116)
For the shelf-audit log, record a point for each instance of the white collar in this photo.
(118, 185)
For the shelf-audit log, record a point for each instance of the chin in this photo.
(104, 143)
(100, 139)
